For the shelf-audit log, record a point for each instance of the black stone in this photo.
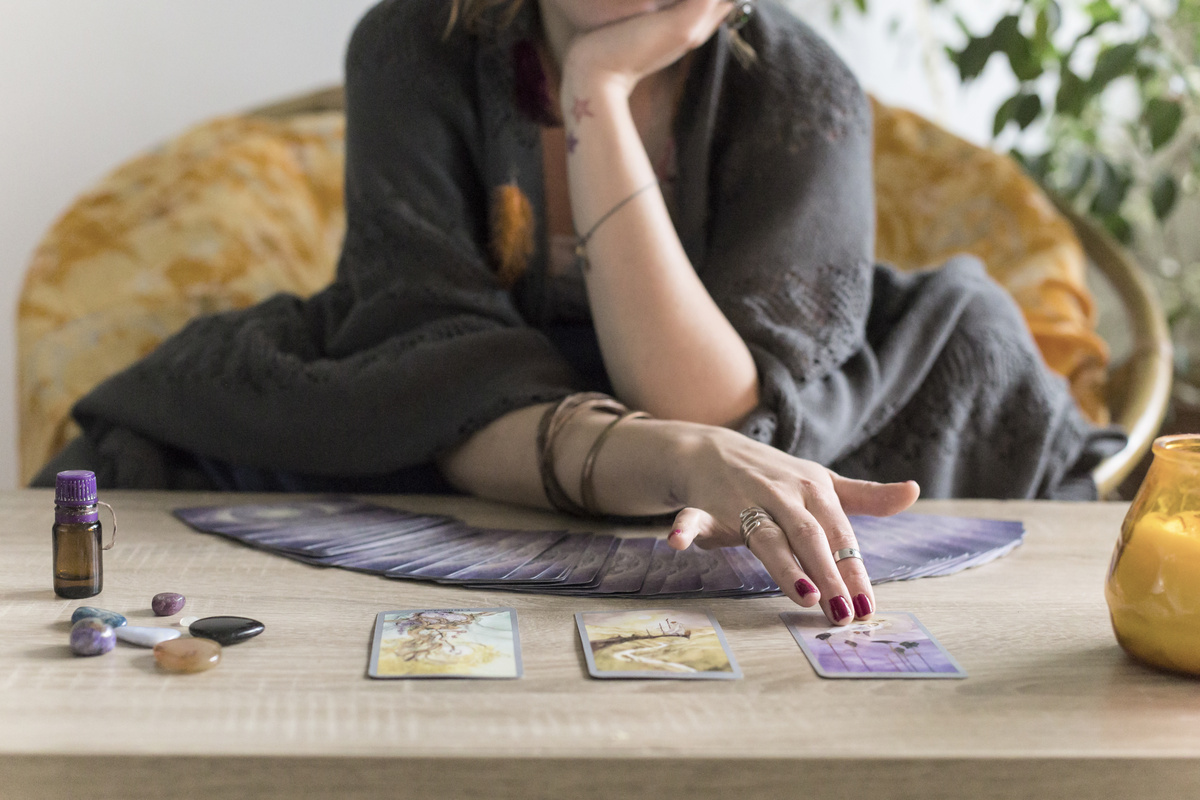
(226, 630)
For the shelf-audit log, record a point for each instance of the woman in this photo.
(546, 198)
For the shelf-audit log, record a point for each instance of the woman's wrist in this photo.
(687, 452)
(582, 78)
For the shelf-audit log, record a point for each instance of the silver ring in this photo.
(847, 552)
(752, 518)
(739, 15)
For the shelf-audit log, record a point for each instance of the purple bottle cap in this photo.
(75, 487)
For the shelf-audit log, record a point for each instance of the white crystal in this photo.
(146, 637)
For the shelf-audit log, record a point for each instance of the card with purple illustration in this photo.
(446, 643)
(892, 644)
(656, 643)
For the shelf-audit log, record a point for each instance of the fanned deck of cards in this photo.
(356, 535)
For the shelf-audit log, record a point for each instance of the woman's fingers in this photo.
(696, 525)
(827, 508)
(774, 549)
(809, 543)
(874, 499)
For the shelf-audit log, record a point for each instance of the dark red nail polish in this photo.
(677, 531)
(804, 588)
(862, 606)
(839, 608)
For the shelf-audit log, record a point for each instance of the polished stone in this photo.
(187, 655)
(110, 618)
(226, 630)
(183, 622)
(146, 637)
(166, 604)
(92, 637)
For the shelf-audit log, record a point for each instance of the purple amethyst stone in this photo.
(92, 637)
(166, 604)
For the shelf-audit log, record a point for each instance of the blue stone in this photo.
(110, 618)
(226, 630)
(92, 637)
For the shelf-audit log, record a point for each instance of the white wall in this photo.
(85, 84)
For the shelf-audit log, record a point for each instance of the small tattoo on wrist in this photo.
(572, 142)
(581, 109)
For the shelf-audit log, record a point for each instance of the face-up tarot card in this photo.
(446, 643)
(655, 644)
(889, 645)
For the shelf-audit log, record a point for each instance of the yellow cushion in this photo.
(238, 209)
(229, 213)
(937, 195)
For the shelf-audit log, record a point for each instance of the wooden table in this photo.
(1052, 707)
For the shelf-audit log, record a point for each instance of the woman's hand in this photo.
(622, 53)
(729, 472)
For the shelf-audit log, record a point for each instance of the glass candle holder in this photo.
(1153, 587)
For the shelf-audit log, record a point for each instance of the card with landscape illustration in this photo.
(446, 643)
(673, 643)
(889, 645)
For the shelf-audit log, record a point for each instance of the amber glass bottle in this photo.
(77, 532)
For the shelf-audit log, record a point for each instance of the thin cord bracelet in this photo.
(551, 425)
(587, 486)
(581, 242)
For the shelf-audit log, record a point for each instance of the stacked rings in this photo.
(752, 518)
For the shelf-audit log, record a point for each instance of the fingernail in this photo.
(676, 532)
(862, 605)
(839, 608)
(804, 588)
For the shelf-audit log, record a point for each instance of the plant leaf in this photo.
(973, 57)
(1110, 194)
(1102, 11)
(1111, 64)
(1163, 194)
(1073, 94)
(1007, 37)
(1162, 117)
(1028, 109)
(1004, 114)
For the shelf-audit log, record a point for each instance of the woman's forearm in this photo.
(667, 346)
(633, 474)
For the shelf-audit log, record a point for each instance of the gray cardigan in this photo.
(416, 344)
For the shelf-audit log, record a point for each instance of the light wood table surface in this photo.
(1052, 707)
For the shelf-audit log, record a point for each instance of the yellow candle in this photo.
(1154, 591)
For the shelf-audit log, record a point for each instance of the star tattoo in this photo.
(572, 141)
(581, 110)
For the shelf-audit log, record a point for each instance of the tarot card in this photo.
(554, 564)
(716, 575)
(507, 560)
(635, 643)
(662, 561)
(684, 577)
(889, 645)
(446, 643)
(627, 568)
(490, 544)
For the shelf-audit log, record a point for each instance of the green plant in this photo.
(1106, 114)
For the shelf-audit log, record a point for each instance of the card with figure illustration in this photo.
(637, 643)
(889, 645)
(446, 643)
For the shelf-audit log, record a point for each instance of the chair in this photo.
(240, 208)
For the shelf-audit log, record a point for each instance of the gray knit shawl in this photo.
(417, 345)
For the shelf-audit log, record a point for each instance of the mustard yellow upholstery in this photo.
(937, 195)
(228, 213)
(239, 208)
